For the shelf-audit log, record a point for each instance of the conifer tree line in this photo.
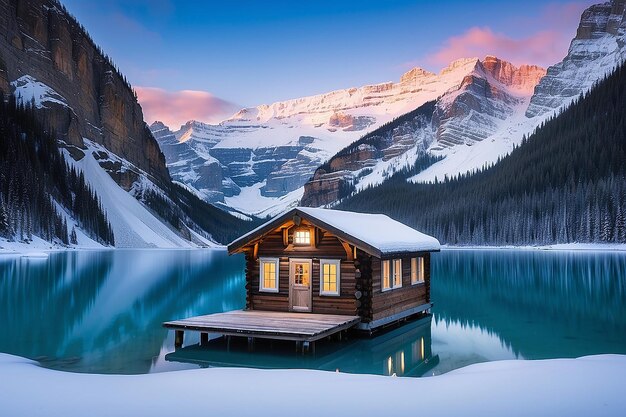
(564, 183)
(37, 185)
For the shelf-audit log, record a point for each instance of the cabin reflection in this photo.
(402, 351)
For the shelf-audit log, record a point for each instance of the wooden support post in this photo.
(227, 343)
(204, 339)
(250, 344)
(178, 338)
(298, 346)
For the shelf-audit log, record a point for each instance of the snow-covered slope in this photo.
(587, 386)
(27, 89)
(133, 224)
(466, 126)
(265, 154)
(598, 47)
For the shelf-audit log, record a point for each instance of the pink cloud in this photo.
(546, 44)
(175, 108)
(542, 48)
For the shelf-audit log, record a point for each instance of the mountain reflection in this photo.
(537, 303)
(101, 311)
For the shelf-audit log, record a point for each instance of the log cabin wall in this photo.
(363, 264)
(394, 301)
(328, 247)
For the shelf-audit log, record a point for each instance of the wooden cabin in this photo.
(313, 260)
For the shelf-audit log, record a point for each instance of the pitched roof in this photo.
(376, 234)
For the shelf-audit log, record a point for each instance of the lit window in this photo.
(329, 276)
(417, 270)
(269, 275)
(301, 273)
(386, 275)
(302, 237)
(391, 274)
(397, 273)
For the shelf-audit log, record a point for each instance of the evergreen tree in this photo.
(564, 183)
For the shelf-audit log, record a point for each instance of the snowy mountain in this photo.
(595, 51)
(599, 46)
(488, 102)
(48, 60)
(484, 119)
(267, 153)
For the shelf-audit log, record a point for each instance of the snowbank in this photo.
(589, 386)
(593, 247)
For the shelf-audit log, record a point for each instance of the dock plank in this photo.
(268, 324)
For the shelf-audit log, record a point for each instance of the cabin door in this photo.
(300, 289)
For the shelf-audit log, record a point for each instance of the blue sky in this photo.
(253, 52)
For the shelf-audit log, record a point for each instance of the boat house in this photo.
(322, 271)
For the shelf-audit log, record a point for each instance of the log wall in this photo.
(390, 302)
(328, 247)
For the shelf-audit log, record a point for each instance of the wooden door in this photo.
(300, 287)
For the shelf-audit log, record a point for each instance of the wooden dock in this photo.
(303, 328)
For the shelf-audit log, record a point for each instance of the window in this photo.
(302, 237)
(301, 273)
(392, 274)
(269, 275)
(397, 273)
(386, 268)
(417, 270)
(329, 276)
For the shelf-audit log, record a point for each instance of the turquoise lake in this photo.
(101, 312)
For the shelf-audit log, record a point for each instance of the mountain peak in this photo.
(462, 64)
(523, 78)
(414, 74)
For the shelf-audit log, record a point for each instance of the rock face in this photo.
(41, 43)
(372, 158)
(217, 172)
(267, 153)
(595, 51)
(490, 94)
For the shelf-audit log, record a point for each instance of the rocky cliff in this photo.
(47, 59)
(267, 153)
(491, 93)
(43, 48)
(597, 48)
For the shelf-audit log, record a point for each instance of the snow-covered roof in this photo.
(376, 234)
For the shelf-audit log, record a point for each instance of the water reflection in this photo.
(403, 351)
(532, 304)
(102, 312)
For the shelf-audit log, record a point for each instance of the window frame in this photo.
(302, 229)
(337, 263)
(392, 284)
(418, 265)
(393, 273)
(276, 262)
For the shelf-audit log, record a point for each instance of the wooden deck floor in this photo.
(301, 327)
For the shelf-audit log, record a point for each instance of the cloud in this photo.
(175, 108)
(547, 43)
(542, 48)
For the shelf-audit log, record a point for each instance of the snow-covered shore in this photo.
(39, 245)
(588, 386)
(590, 247)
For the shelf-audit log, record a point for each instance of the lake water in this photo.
(101, 312)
